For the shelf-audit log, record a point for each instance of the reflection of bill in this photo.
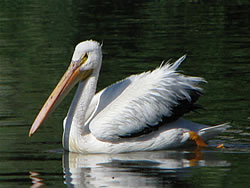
(36, 180)
(140, 169)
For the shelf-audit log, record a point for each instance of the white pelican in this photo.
(140, 113)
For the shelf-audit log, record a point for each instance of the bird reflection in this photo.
(141, 169)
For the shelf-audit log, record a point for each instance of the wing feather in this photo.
(149, 100)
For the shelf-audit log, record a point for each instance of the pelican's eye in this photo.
(84, 58)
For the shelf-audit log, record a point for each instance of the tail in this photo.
(209, 132)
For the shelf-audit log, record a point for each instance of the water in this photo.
(37, 39)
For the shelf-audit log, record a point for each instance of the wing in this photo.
(104, 98)
(141, 103)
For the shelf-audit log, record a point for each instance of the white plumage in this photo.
(142, 112)
(145, 99)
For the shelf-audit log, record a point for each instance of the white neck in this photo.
(74, 122)
(73, 126)
(85, 92)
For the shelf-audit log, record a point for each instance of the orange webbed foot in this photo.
(221, 146)
(198, 140)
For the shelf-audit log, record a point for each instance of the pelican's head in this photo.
(87, 58)
(87, 55)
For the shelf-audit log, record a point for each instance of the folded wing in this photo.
(141, 103)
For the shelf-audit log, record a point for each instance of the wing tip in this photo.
(178, 62)
(174, 65)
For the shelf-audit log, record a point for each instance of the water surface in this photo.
(37, 39)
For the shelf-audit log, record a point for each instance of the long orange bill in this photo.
(67, 82)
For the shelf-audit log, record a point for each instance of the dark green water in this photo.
(37, 39)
